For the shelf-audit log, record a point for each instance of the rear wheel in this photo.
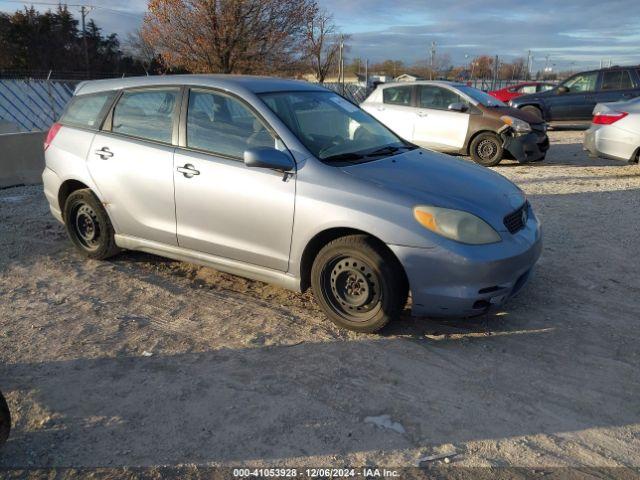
(358, 283)
(535, 111)
(88, 225)
(486, 149)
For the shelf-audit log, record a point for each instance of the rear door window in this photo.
(146, 114)
(397, 95)
(616, 80)
(87, 111)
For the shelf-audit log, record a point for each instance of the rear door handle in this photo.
(188, 170)
(104, 153)
(423, 114)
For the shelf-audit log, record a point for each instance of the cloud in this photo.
(572, 32)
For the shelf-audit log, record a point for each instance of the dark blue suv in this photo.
(574, 99)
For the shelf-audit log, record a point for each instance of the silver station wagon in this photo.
(288, 183)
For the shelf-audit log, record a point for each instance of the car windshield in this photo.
(332, 128)
(481, 97)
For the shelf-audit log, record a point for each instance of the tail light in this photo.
(608, 118)
(51, 134)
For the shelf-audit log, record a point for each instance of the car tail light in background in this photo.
(608, 118)
(51, 134)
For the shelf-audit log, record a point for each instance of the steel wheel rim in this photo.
(86, 226)
(352, 288)
(487, 149)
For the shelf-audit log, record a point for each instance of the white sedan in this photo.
(615, 131)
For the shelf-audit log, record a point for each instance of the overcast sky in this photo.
(580, 31)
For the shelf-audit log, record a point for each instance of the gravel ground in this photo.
(142, 361)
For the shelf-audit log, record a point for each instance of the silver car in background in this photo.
(287, 183)
(615, 131)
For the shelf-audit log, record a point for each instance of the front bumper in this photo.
(530, 147)
(608, 141)
(466, 280)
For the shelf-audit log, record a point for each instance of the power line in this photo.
(77, 5)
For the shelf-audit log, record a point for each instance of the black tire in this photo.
(535, 111)
(88, 225)
(486, 149)
(359, 284)
(5, 420)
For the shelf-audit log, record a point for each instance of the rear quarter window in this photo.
(87, 111)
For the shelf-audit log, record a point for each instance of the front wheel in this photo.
(358, 283)
(486, 149)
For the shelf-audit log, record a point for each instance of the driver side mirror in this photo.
(563, 89)
(268, 157)
(458, 107)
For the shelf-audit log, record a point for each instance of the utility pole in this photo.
(529, 60)
(84, 11)
(366, 75)
(341, 65)
(433, 59)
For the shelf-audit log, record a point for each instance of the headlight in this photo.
(455, 224)
(518, 125)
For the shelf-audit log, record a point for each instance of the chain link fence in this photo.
(30, 105)
(355, 92)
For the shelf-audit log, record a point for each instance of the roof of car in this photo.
(233, 83)
(423, 82)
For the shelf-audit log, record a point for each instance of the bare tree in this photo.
(227, 36)
(140, 49)
(321, 43)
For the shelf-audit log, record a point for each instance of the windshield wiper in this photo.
(383, 151)
(389, 149)
(353, 156)
(344, 157)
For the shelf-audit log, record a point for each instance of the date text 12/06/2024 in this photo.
(365, 472)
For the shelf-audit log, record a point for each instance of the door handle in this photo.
(423, 114)
(188, 170)
(381, 109)
(104, 153)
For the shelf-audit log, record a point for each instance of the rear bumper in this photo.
(51, 183)
(611, 142)
(468, 280)
(531, 147)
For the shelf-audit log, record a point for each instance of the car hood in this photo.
(441, 180)
(513, 112)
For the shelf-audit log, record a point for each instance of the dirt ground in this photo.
(142, 361)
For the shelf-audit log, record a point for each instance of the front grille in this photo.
(516, 221)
